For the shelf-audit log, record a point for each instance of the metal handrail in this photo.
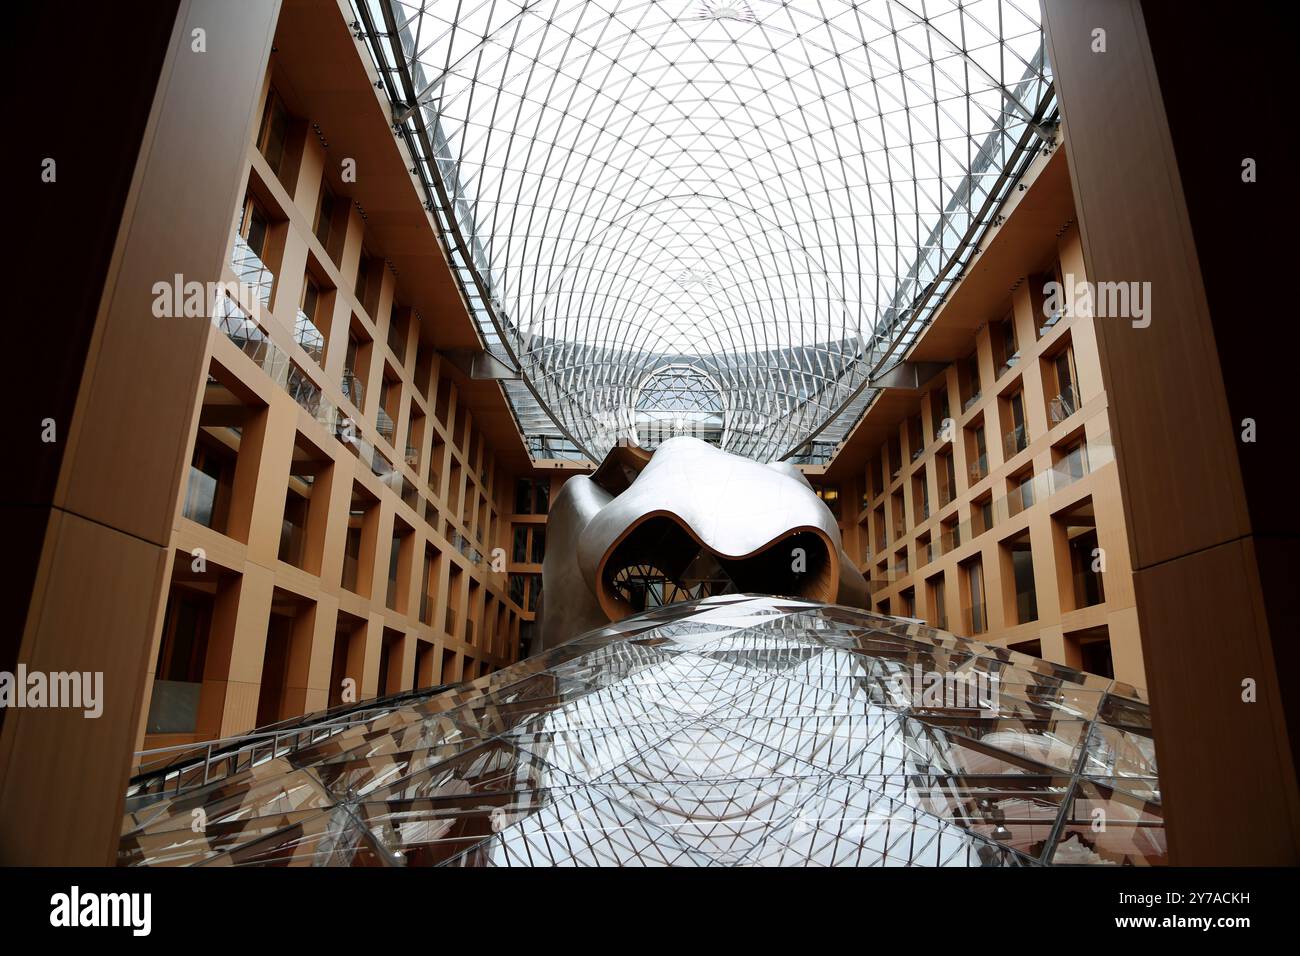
(231, 750)
(1016, 440)
(1065, 404)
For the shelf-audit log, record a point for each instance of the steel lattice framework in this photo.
(739, 730)
(776, 192)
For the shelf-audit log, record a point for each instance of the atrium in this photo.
(654, 432)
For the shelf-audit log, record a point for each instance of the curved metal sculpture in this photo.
(688, 522)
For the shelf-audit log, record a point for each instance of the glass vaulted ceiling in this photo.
(764, 197)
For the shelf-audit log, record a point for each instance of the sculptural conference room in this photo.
(650, 433)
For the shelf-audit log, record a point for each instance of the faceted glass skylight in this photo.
(776, 192)
(733, 731)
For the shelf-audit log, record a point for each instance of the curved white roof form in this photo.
(772, 191)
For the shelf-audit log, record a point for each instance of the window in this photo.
(390, 396)
(1051, 308)
(519, 552)
(968, 380)
(429, 584)
(938, 602)
(939, 411)
(950, 535)
(459, 429)
(274, 133)
(467, 505)
(1006, 352)
(248, 256)
(348, 653)
(435, 464)
(392, 645)
(1020, 491)
(471, 613)
(1070, 462)
(539, 544)
(1015, 434)
(293, 527)
(351, 558)
(977, 458)
(310, 296)
(178, 676)
(356, 366)
(414, 437)
(253, 226)
(976, 612)
(325, 206)
(532, 496)
(1033, 648)
(452, 614)
(830, 495)
(907, 603)
(363, 516)
(875, 483)
(1086, 569)
(442, 406)
(425, 654)
(981, 514)
(1076, 529)
(1062, 384)
(289, 612)
(921, 496)
(1089, 650)
(924, 549)
(306, 329)
(400, 533)
(900, 518)
(1018, 571)
(185, 637)
(449, 667)
(898, 565)
(455, 486)
(211, 477)
(397, 329)
(363, 275)
(947, 474)
(915, 438)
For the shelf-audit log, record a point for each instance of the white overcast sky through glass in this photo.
(745, 185)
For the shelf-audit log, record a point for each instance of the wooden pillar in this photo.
(100, 572)
(1156, 131)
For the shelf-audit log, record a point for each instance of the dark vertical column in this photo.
(67, 233)
(1157, 125)
(148, 131)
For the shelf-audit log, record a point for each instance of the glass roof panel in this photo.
(773, 192)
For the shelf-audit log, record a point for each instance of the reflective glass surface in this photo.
(733, 731)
